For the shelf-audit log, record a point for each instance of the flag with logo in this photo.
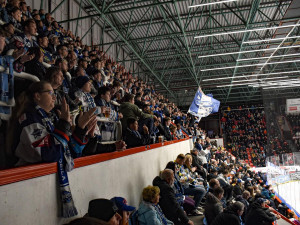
(203, 105)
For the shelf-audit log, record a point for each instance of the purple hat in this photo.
(121, 203)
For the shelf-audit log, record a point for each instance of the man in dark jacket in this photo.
(231, 215)
(258, 214)
(132, 137)
(213, 205)
(168, 202)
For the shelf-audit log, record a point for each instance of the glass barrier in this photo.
(283, 173)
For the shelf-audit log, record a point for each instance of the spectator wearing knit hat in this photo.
(104, 211)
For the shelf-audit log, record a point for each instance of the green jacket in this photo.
(130, 110)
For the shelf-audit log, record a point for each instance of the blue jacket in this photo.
(148, 215)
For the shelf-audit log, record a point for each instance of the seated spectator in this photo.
(168, 202)
(83, 83)
(3, 11)
(190, 184)
(132, 136)
(237, 187)
(104, 212)
(25, 39)
(55, 77)
(15, 18)
(37, 131)
(97, 79)
(213, 205)
(149, 212)
(63, 65)
(222, 178)
(61, 52)
(43, 42)
(213, 174)
(54, 43)
(124, 210)
(196, 162)
(185, 201)
(35, 66)
(231, 215)
(166, 129)
(258, 214)
(179, 134)
(244, 199)
(130, 110)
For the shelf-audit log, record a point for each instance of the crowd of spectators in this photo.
(246, 133)
(77, 81)
(294, 121)
(223, 189)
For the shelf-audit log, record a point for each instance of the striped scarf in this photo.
(65, 164)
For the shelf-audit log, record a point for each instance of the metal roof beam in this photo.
(201, 31)
(216, 12)
(104, 17)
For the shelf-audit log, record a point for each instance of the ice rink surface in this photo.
(290, 192)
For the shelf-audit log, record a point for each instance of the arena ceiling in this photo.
(235, 49)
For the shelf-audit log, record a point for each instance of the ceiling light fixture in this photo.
(248, 51)
(291, 81)
(285, 86)
(249, 65)
(277, 56)
(244, 31)
(251, 75)
(211, 3)
(270, 39)
(262, 79)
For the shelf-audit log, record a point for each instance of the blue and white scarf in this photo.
(161, 214)
(65, 164)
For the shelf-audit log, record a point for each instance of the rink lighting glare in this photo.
(249, 65)
(270, 39)
(276, 56)
(211, 3)
(244, 31)
(248, 51)
(252, 75)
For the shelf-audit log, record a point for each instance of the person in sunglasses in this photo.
(39, 135)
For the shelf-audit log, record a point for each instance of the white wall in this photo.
(34, 202)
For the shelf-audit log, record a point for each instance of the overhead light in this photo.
(277, 56)
(229, 85)
(257, 84)
(211, 3)
(244, 31)
(269, 78)
(285, 86)
(249, 65)
(275, 82)
(248, 51)
(270, 39)
(251, 75)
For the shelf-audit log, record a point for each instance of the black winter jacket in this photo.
(258, 215)
(213, 207)
(228, 217)
(168, 202)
